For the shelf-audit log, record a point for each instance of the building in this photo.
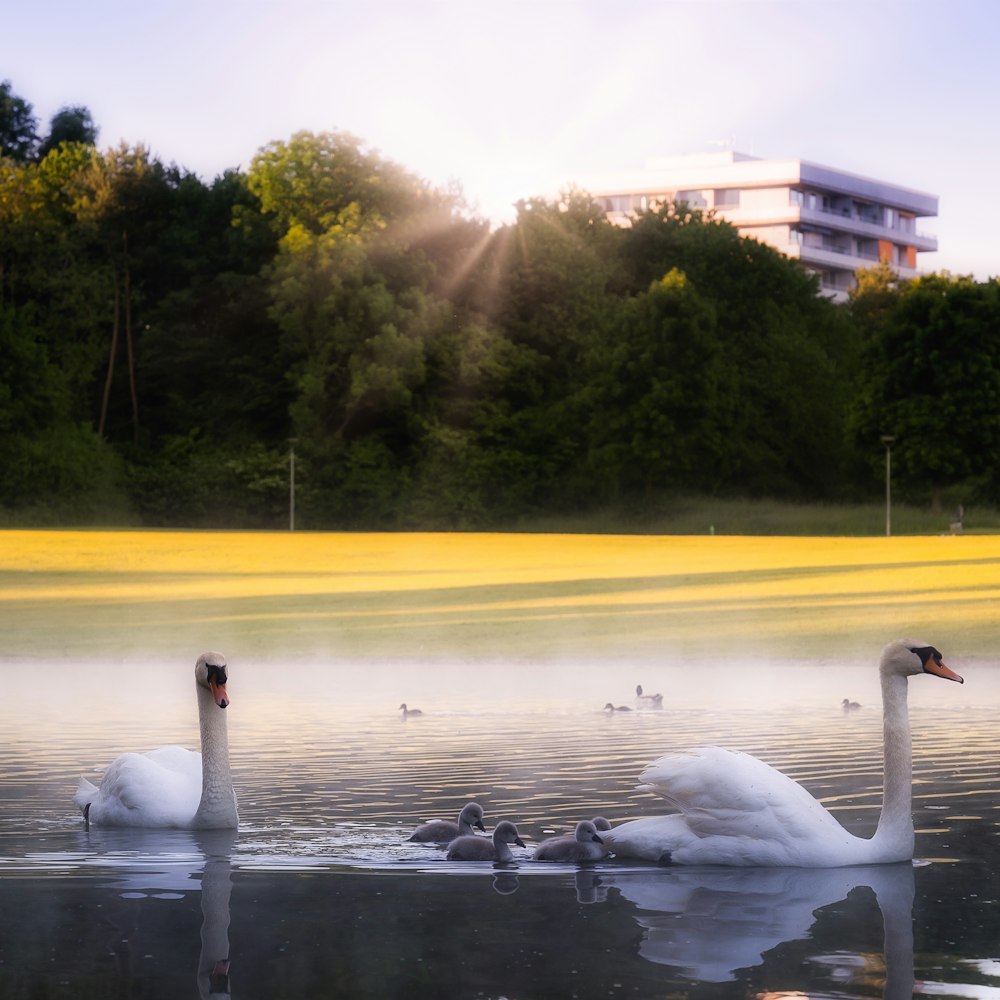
(833, 222)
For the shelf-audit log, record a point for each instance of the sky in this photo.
(525, 98)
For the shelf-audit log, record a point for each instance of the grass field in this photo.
(519, 597)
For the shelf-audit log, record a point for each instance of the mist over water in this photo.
(320, 885)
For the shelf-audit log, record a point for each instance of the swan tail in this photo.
(86, 790)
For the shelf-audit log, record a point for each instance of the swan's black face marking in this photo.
(216, 673)
(927, 653)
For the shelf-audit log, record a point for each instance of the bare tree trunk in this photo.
(111, 361)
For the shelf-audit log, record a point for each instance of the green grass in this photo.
(721, 516)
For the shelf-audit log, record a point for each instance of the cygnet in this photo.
(443, 831)
(583, 845)
(481, 849)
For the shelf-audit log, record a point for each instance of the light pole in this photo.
(291, 483)
(887, 440)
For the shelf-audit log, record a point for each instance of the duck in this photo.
(407, 712)
(611, 708)
(444, 830)
(495, 848)
(172, 787)
(850, 706)
(737, 810)
(584, 844)
(647, 700)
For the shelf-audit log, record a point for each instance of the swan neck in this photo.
(217, 808)
(896, 820)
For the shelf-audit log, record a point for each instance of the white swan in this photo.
(647, 700)
(444, 830)
(736, 810)
(486, 848)
(583, 844)
(171, 786)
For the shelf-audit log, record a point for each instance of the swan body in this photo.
(444, 830)
(737, 810)
(171, 786)
(495, 848)
(583, 844)
(647, 700)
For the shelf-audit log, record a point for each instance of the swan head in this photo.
(586, 832)
(472, 813)
(211, 672)
(908, 657)
(505, 832)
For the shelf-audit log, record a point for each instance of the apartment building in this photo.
(832, 221)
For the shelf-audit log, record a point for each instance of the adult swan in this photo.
(171, 786)
(736, 810)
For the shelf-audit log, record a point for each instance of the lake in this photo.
(319, 894)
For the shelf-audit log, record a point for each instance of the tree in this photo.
(932, 380)
(72, 123)
(18, 126)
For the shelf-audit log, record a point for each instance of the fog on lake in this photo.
(320, 893)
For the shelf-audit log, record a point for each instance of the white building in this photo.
(833, 222)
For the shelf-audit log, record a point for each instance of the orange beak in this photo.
(221, 698)
(940, 670)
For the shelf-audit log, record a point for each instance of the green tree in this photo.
(658, 395)
(932, 380)
(69, 124)
(18, 126)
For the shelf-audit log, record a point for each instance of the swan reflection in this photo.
(165, 864)
(709, 922)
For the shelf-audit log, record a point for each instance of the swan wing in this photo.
(161, 788)
(734, 810)
(724, 792)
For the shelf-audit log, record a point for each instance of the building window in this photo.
(727, 197)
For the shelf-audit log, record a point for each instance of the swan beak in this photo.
(597, 840)
(218, 692)
(938, 669)
(519, 842)
(479, 825)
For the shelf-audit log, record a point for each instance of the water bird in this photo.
(736, 810)
(609, 708)
(647, 700)
(171, 786)
(584, 844)
(495, 848)
(443, 831)
(407, 712)
(850, 706)
(600, 823)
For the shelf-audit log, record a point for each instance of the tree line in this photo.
(166, 342)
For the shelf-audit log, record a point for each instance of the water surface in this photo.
(319, 893)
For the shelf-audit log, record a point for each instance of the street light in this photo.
(887, 440)
(291, 483)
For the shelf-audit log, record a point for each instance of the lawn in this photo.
(518, 597)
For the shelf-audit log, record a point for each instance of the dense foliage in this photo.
(165, 343)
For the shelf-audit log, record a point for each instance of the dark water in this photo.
(320, 895)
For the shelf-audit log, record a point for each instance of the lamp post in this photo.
(291, 483)
(887, 440)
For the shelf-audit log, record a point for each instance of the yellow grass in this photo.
(528, 597)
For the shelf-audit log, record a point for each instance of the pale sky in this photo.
(519, 98)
